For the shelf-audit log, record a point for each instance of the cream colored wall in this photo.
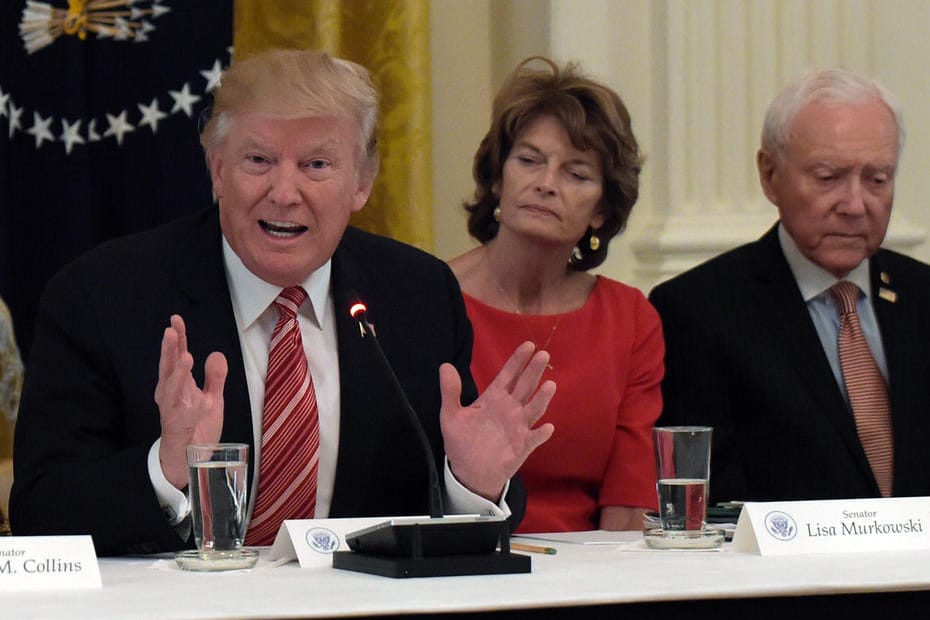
(609, 37)
(902, 63)
(654, 52)
(461, 92)
(475, 43)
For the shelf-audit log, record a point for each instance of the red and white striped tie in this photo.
(868, 393)
(290, 430)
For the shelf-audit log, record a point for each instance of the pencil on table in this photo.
(515, 546)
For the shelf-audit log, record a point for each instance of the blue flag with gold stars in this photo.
(100, 106)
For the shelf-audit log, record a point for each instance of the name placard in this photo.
(48, 563)
(313, 541)
(833, 526)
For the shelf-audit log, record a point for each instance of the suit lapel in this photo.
(781, 307)
(902, 344)
(359, 399)
(891, 313)
(211, 325)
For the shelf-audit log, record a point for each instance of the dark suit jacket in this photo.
(88, 417)
(743, 356)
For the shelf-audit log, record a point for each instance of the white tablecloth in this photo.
(577, 575)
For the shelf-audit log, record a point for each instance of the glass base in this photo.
(683, 539)
(203, 561)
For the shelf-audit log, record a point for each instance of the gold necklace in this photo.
(526, 327)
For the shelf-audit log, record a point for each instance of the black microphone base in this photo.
(496, 563)
(433, 547)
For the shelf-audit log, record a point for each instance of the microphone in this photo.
(426, 547)
(359, 312)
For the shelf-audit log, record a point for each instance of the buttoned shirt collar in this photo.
(814, 280)
(252, 296)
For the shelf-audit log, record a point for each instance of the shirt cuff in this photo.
(459, 500)
(174, 503)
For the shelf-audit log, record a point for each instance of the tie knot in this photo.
(289, 300)
(845, 294)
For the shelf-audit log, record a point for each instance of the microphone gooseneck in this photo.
(426, 547)
(359, 312)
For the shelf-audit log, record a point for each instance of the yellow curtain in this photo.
(391, 39)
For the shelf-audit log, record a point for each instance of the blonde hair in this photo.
(293, 84)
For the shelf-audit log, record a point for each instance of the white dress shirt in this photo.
(252, 301)
(814, 283)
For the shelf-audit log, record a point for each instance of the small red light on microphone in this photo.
(356, 308)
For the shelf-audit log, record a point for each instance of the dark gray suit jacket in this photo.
(743, 356)
(88, 417)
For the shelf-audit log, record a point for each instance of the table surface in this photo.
(624, 572)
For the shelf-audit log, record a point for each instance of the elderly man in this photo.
(807, 349)
(258, 292)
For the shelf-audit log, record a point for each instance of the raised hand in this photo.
(487, 441)
(188, 414)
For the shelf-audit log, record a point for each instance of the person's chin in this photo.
(283, 270)
(841, 263)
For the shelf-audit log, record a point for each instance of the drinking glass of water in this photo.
(218, 493)
(682, 477)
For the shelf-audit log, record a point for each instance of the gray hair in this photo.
(834, 85)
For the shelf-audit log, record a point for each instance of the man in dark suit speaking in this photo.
(260, 347)
(807, 350)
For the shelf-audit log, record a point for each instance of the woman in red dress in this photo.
(556, 177)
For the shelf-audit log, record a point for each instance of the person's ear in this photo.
(598, 217)
(215, 164)
(768, 170)
(366, 181)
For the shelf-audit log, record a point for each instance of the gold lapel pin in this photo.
(887, 294)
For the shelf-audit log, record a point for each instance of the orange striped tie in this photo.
(868, 393)
(290, 430)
